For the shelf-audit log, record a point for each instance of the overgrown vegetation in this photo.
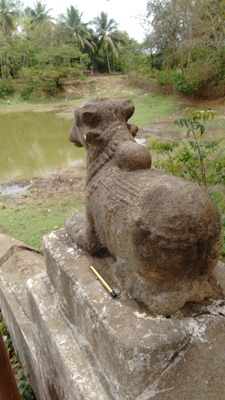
(21, 376)
(183, 51)
(195, 156)
(42, 52)
(29, 220)
(7, 88)
(186, 41)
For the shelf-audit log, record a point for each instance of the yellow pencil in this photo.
(105, 284)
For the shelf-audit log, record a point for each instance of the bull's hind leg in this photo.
(82, 232)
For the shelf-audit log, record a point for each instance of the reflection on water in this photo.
(35, 143)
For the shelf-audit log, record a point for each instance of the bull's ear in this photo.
(133, 129)
(128, 108)
(92, 136)
(90, 117)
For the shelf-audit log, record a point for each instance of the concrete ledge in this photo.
(66, 372)
(132, 347)
(80, 344)
(15, 268)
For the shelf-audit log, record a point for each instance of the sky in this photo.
(127, 14)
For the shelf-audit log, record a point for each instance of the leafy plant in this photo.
(7, 88)
(20, 373)
(3, 328)
(165, 77)
(193, 156)
(198, 154)
(182, 86)
(23, 384)
(27, 91)
(50, 87)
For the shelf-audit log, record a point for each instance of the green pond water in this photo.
(35, 143)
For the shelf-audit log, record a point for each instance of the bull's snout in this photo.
(74, 137)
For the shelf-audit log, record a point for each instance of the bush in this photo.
(7, 88)
(165, 77)
(51, 87)
(27, 91)
(182, 86)
(194, 157)
(142, 83)
(165, 80)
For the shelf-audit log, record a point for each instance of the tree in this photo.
(133, 58)
(189, 36)
(79, 30)
(107, 35)
(51, 66)
(186, 24)
(169, 24)
(39, 26)
(8, 14)
(38, 14)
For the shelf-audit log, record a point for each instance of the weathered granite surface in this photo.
(16, 266)
(79, 343)
(135, 351)
(163, 232)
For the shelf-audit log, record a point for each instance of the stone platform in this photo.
(79, 343)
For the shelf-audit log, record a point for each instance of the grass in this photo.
(148, 106)
(30, 223)
(153, 108)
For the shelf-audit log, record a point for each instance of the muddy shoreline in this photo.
(61, 183)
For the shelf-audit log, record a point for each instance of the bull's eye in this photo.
(91, 118)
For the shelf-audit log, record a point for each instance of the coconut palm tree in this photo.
(39, 13)
(39, 24)
(107, 34)
(8, 14)
(81, 33)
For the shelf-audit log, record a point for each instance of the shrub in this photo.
(52, 87)
(182, 86)
(165, 77)
(194, 157)
(27, 91)
(7, 88)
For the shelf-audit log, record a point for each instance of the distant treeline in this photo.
(183, 51)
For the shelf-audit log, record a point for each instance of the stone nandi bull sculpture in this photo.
(164, 232)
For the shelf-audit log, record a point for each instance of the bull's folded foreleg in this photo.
(82, 232)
